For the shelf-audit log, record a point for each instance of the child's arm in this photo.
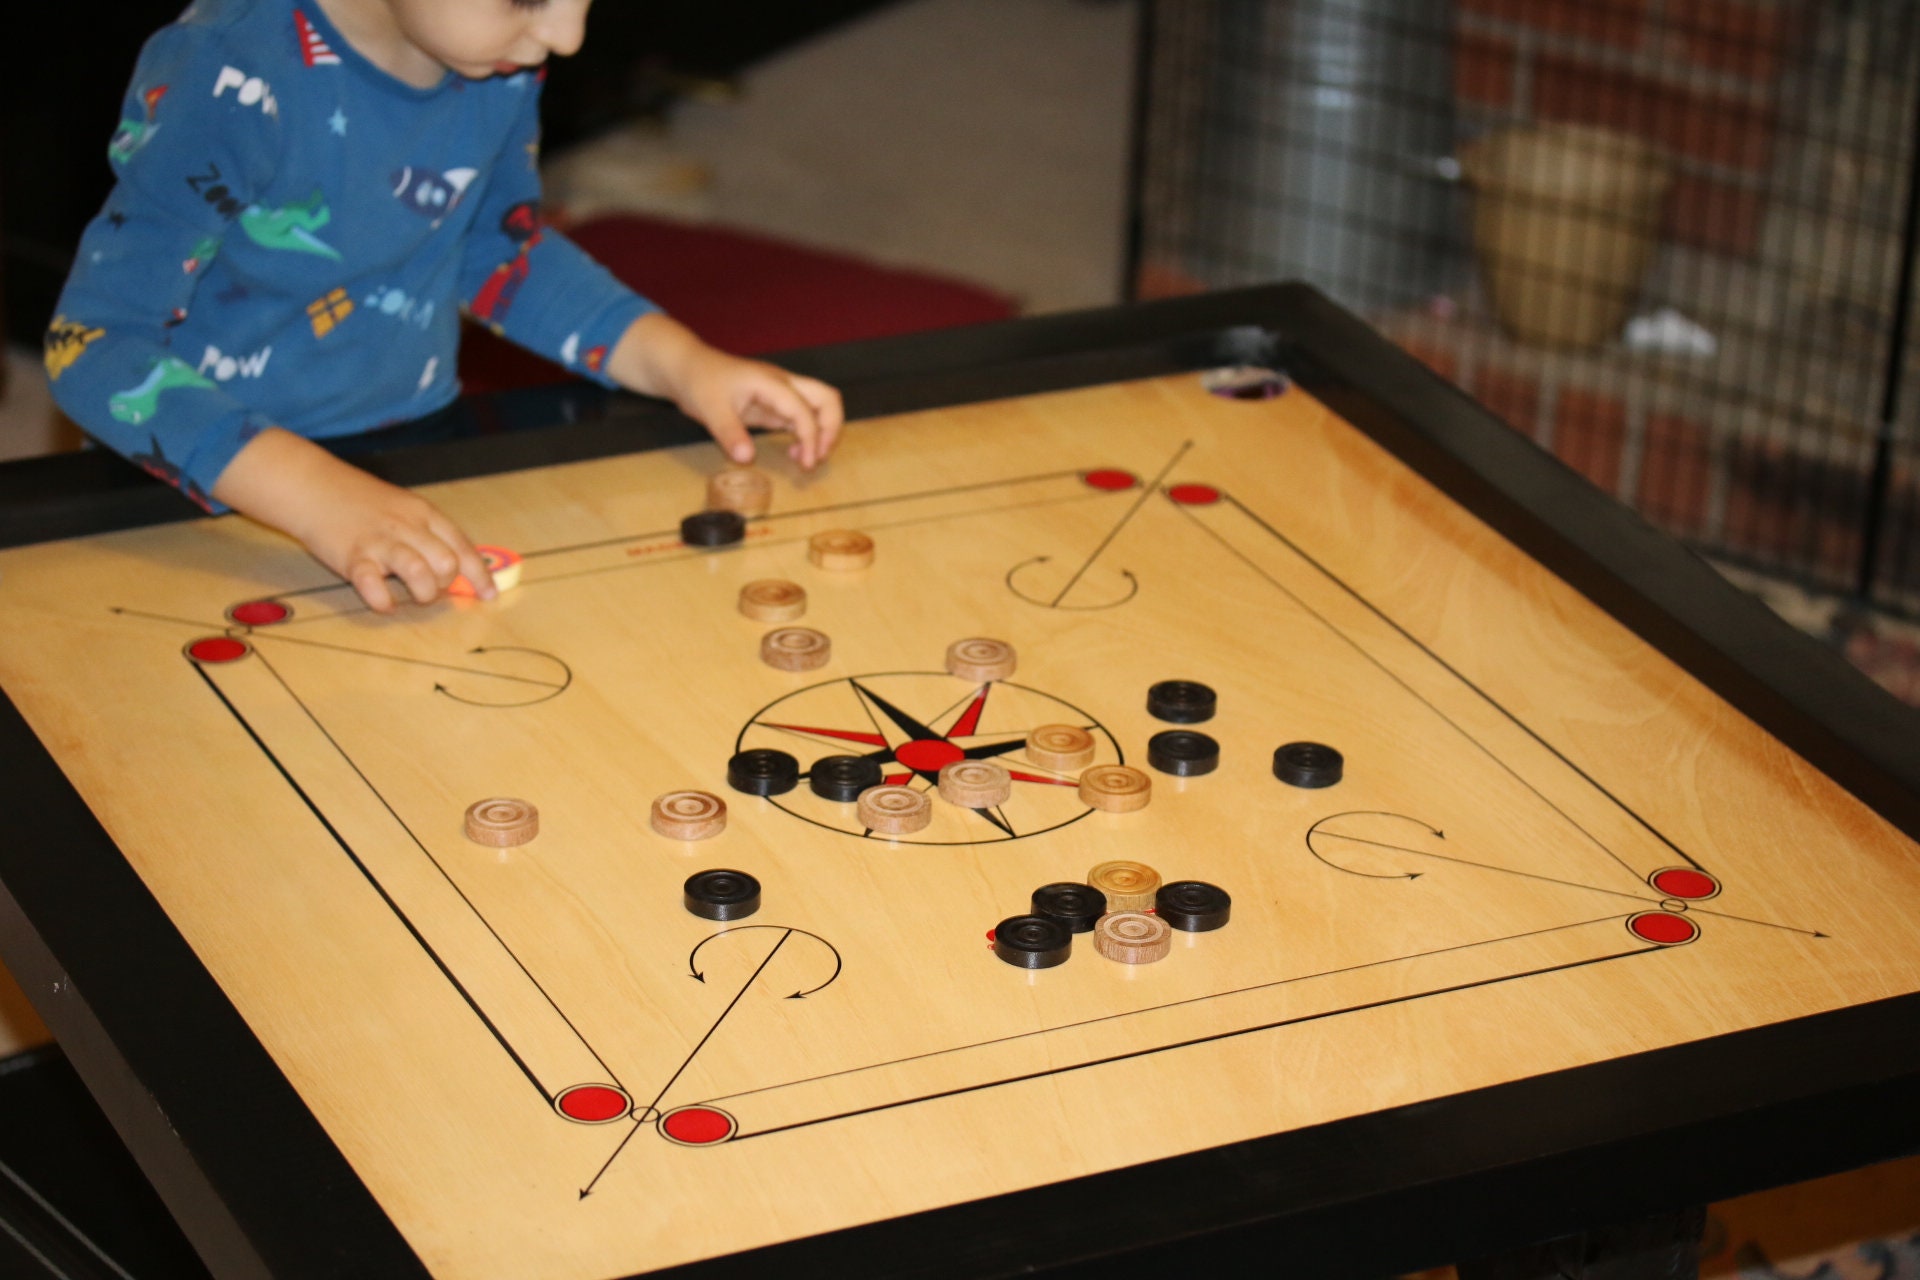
(534, 286)
(660, 356)
(362, 528)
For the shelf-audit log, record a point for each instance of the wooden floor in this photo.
(1550, 846)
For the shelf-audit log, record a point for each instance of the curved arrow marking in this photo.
(1056, 601)
(693, 957)
(552, 686)
(1315, 830)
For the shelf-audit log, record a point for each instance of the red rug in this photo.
(744, 293)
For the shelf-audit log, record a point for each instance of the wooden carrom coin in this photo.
(895, 811)
(689, 815)
(981, 659)
(841, 550)
(1060, 746)
(795, 649)
(502, 822)
(1132, 937)
(773, 600)
(975, 784)
(747, 490)
(1129, 886)
(1116, 788)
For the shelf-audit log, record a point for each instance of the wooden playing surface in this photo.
(1474, 903)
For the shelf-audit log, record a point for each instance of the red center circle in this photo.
(259, 613)
(1111, 480)
(593, 1103)
(698, 1126)
(928, 755)
(1664, 928)
(218, 649)
(1684, 882)
(1194, 495)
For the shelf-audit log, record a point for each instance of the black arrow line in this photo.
(1175, 1004)
(1449, 668)
(693, 969)
(1133, 589)
(1146, 491)
(694, 1052)
(223, 626)
(595, 1180)
(1314, 830)
(1486, 866)
(444, 875)
(1390, 674)
(423, 662)
(1197, 1040)
(372, 880)
(1767, 924)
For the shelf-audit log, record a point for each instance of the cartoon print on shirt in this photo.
(426, 374)
(328, 311)
(135, 134)
(225, 368)
(290, 227)
(429, 194)
(495, 298)
(156, 464)
(67, 341)
(203, 252)
(401, 305)
(570, 353)
(137, 404)
(249, 91)
(314, 50)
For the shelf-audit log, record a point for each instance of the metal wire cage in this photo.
(1670, 240)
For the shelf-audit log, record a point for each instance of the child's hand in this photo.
(362, 528)
(727, 394)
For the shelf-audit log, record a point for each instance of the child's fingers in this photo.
(412, 568)
(369, 579)
(467, 561)
(827, 409)
(779, 397)
(729, 432)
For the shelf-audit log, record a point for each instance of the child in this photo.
(308, 191)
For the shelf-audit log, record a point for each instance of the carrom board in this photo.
(1551, 847)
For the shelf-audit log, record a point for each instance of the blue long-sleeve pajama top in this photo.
(292, 237)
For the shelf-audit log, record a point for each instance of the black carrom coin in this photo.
(763, 771)
(713, 528)
(722, 895)
(1075, 905)
(1181, 702)
(1193, 905)
(1183, 753)
(1032, 942)
(843, 777)
(1307, 764)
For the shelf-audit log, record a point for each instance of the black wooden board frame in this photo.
(262, 1191)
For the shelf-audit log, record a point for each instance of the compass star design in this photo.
(868, 716)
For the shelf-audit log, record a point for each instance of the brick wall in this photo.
(1786, 122)
(1699, 77)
